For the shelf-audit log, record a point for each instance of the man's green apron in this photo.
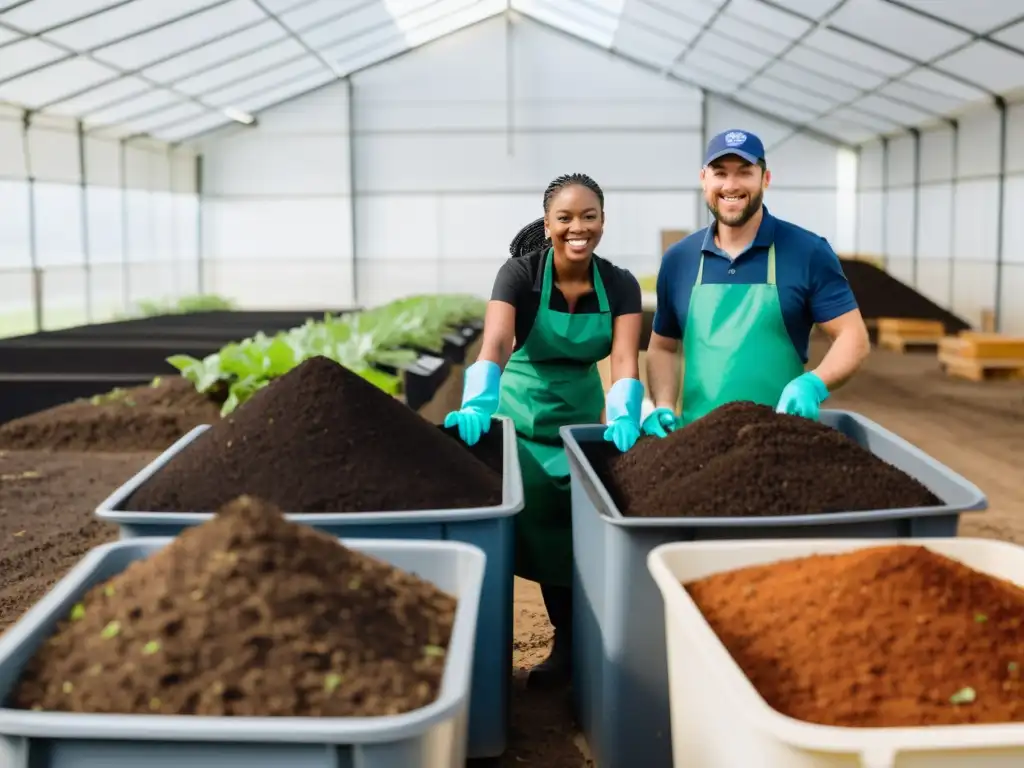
(548, 383)
(736, 345)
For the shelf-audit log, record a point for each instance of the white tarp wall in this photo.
(445, 168)
(74, 248)
(953, 257)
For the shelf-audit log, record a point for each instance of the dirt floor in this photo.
(47, 498)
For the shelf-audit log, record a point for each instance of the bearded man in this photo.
(740, 297)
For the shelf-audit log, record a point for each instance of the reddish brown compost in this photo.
(885, 636)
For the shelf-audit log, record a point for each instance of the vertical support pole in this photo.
(916, 215)
(885, 202)
(1000, 213)
(126, 288)
(856, 202)
(200, 248)
(510, 87)
(86, 244)
(38, 294)
(171, 186)
(704, 138)
(954, 183)
(352, 208)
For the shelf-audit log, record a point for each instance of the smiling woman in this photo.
(556, 309)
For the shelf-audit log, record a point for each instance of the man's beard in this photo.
(743, 217)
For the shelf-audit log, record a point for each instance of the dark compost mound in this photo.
(322, 439)
(879, 294)
(146, 418)
(745, 460)
(248, 614)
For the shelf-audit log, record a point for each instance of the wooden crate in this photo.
(982, 356)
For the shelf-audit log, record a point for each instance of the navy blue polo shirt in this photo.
(812, 286)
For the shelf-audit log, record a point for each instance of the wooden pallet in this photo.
(898, 334)
(982, 356)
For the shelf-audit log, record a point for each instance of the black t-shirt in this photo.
(520, 279)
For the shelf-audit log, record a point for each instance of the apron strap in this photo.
(548, 281)
(771, 267)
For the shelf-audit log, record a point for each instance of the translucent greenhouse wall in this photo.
(443, 169)
(931, 210)
(77, 248)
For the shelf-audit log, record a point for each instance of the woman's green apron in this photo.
(736, 345)
(551, 381)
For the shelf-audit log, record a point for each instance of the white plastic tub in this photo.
(720, 721)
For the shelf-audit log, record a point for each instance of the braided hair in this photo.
(531, 237)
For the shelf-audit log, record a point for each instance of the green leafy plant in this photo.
(386, 336)
(181, 306)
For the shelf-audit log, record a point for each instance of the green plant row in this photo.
(182, 306)
(360, 341)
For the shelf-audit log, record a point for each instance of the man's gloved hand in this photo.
(479, 401)
(622, 408)
(660, 422)
(803, 396)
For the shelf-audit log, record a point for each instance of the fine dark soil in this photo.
(322, 439)
(893, 636)
(879, 294)
(248, 615)
(46, 520)
(745, 460)
(146, 418)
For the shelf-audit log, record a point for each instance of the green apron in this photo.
(736, 345)
(548, 383)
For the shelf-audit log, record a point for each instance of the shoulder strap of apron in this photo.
(771, 267)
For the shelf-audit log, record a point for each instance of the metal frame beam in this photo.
(885, 202)
(352, 208)
(83, 185)
(976, 36)
(1001, 213)
(954, 183)
(916, 211)
(38, 294)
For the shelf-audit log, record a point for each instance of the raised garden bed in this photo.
(739, 473)
(99, 356)
(301, 441)
(816, 653)
(132, 609)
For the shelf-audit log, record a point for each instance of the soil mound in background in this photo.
(146, 418)
(879, 294)
(248, 614)
(887, 637)
(322, 439)
(746, 460)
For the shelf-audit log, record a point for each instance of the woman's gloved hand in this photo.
(803, 396)
(622, 407)
(660, 422)
(479, 401)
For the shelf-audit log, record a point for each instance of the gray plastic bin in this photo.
(431, 737)
(490, 528)
(620, 678)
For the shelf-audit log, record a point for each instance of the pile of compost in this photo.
(145, 418)
(322, 439)
(248, 614)
(746, 460)
(892, 636)
(879, 294)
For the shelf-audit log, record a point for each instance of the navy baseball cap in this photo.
(740, 143)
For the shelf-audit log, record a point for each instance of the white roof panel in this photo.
(176, 67)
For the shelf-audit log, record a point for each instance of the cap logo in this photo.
(735, 138)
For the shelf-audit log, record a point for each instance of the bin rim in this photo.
(888, 743)
(611, 514)
(511, 503)
(455, 683)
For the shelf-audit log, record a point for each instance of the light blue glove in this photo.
(622, 408)
(803, 396)
(479, 401)
(660, 422)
